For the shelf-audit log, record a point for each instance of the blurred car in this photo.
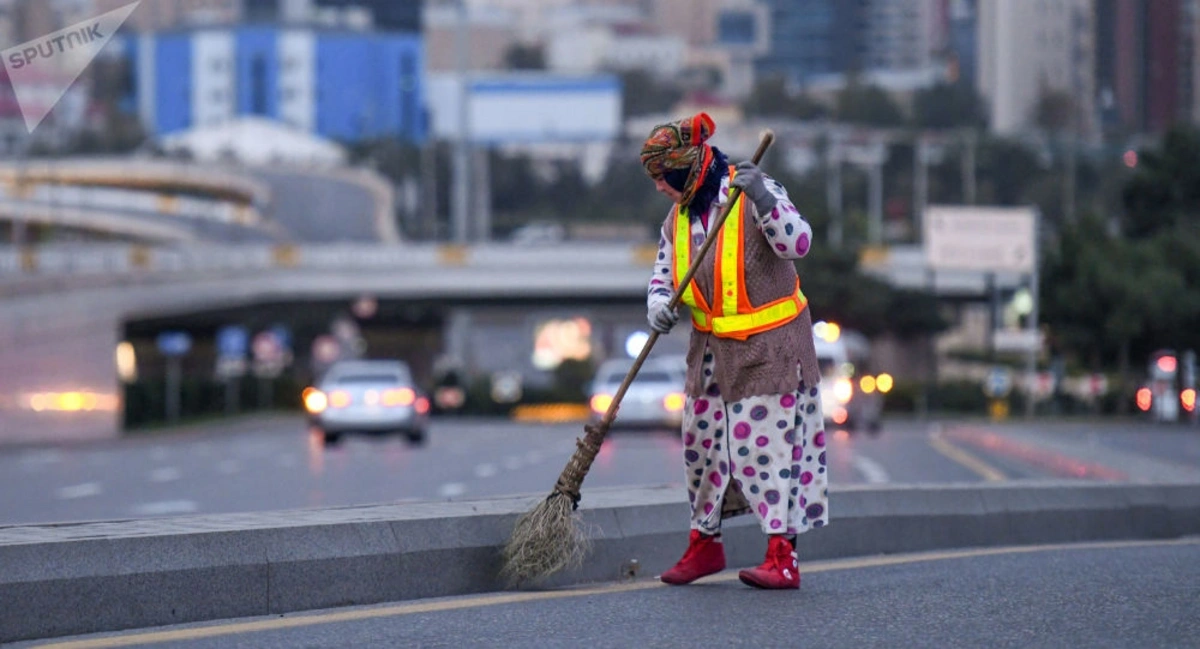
(851, 397)
(368, 396)
(654, 399)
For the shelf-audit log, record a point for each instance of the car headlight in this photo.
(399, 397)
(601, 402)
(315, 401)
(843, 389)
(674, 402)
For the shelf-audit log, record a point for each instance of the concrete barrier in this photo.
(67, 579)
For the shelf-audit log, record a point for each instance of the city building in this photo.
(384, 15)
(341, 84)
(1146, 63)
(1030, 48)
(158, 15)
(963, 41)
(817, 38)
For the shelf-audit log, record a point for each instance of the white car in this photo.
(851, 398)
(375, 396)
(654, 399)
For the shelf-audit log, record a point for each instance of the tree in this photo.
(946, 106)
(1165, 190)
(1054, 110)
(770, 98)
(525, 57)
(643, 94)
(869, 105)
(840, 292)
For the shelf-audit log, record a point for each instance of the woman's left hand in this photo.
(750, 178)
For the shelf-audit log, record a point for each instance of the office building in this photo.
(340, 84)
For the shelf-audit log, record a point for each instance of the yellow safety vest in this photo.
(731, 314)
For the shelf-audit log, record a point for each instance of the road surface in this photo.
(273, 463)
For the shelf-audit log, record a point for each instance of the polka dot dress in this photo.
(769, 448)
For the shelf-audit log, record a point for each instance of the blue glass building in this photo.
(340, 84)
(814, 37)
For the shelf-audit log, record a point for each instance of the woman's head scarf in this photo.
(680, 147)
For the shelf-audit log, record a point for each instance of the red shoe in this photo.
(779, 569)
(705, 555)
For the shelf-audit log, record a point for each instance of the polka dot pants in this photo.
(768, 450)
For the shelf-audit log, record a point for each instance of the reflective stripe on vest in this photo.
(731, 314)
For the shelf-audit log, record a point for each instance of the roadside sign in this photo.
(232, 341)
(270, 356)
(995, 239)
(266, 347)
(174, 343)
(998, 383)
(326, 349)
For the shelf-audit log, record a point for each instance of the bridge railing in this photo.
(67, 260)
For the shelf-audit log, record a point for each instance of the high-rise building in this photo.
(340, 84)
(814, 37)
(1030, 48)
(963, 46)
(904, 34)
(1146, 63)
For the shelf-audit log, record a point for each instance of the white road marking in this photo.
(872, 471)
(79, 491)
(485, 470)
(512, 463)
(165, 474)
(228, 467)
(35, 459)
(452, 489)
(161, 507)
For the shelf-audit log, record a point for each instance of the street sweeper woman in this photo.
(753, 438)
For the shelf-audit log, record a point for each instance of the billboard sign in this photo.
(986, 239)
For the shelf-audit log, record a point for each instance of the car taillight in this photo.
(422, 405)
(1188, 399)
(399, 397)
(315, 401)
(1144, 399)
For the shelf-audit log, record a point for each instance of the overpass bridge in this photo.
(65, 306)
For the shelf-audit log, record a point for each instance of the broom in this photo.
(550, 537)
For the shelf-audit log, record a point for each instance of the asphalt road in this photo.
(315, 207)
(1138, 594)
(263, 464)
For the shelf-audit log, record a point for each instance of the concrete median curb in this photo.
(68, 579)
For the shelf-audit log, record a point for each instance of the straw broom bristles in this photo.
(550, 537)
(546, 539)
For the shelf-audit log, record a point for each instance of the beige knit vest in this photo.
(765, 363)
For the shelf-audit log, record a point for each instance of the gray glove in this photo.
(750, 178)
(661, 318)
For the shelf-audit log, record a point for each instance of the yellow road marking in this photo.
(275, 624)
(976, 465)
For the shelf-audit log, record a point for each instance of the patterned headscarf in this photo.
(680, 145)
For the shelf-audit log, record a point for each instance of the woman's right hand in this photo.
(661, 318)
